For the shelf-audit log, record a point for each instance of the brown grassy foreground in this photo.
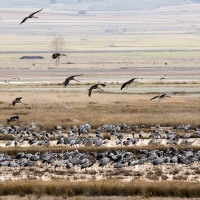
(102, 188)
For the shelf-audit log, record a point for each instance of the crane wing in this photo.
(90, 92)
(124, 85)
(72, 77)
(78, 75)
(154, 97)
(102, 84)
(55, 55)
(31, 15)
(66, 81)
(18, 98)
(132, 80)
(24, 20)
(14, 117)
(187, 136)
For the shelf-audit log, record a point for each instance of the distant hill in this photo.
(97, 5)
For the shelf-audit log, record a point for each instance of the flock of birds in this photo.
(117, 158)
(93, 87)
(124, 85)
(96, 86)
(57, 57)
(84, 135)
(99, 85)
(78, 136)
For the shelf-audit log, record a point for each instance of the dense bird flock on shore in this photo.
(115, 158)
(84, 135)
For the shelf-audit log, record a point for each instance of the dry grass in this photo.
(107, 136)
(180, 177)
(45, 197)
(6, 137)
(111, 187)
(197, 171)
(104, 108)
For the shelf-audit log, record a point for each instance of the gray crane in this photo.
(67, 80)
(17, 100)
(120, 164)
(104, 161)
(126, 84)
(183, 127)
(60, 163)
(13, 118)
(87, 164)
(8, 143)
(161, 96)
(96, 86)
(163, 77)
(30, 16)
(5, 81)
(57, 56)
(159, 161)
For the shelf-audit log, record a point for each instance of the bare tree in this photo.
(58, 44)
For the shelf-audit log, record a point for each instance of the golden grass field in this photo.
(68, 108)
(110, 187)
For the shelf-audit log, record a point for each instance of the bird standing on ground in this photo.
(163, 77)
(57, 57)
(30, 16)
(67, 80)
(161, 96)
(5, 81)
(16, 78)
(126, 84)
(17, 100)
(96, 86)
